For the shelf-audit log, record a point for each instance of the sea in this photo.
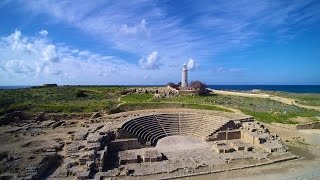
(284, 88)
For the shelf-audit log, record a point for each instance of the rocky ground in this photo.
(304, 143)
(39, 146)
(43, 142)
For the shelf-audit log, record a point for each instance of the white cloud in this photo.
(26, 60)
(229, 70)
(49, 53)
(18, 67)
(220, 70)
(192, 65)
(39, 60)
(227, 25)
(119, 26)
(43, 32)
(236, 70)
(138, 28)
(151, 62)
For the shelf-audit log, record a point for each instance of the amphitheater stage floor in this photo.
(175, 143)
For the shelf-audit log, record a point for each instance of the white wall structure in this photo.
(184, 78)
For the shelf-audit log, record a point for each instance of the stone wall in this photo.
(247, 137)
(233, 135)
(226, 135)
(313, 125)
(125, 144)
(159, 92)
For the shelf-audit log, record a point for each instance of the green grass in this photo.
(311, 99)
(58, 99)
(269, 117)
(137, 98)
(94, 98)
(152, 105)
(265, 110)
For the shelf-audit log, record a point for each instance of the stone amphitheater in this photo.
(145, 144)
(151, 128)
(165, 144)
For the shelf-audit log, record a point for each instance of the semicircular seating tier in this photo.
(151, 128)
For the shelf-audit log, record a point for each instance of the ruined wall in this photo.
(233, 135)
(121, 134)
(313, 125)
(125, 144)
(218, 136)
(247, 137)
(226, 135)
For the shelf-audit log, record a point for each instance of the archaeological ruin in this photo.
(147, 144)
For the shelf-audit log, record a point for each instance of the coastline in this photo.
(299, 89)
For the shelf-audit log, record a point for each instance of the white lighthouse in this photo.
(184, 78)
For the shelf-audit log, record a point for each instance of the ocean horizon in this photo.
(284, 88)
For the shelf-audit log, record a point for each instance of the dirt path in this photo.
(121, 102)
(283, 100)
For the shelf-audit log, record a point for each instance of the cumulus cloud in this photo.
(38, 60)
(192, 65)
(49, 53)
(30, 54)
(50, 71)
(43, 32)
(18, 67)
(151, 62)
(39, 47)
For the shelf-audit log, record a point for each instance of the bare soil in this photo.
(304, 143)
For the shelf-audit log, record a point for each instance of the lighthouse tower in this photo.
(184, 78)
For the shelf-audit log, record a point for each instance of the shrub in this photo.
(81, 93)
(198, 85)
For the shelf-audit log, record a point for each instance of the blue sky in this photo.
(102, 42)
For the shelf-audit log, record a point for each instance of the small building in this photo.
(49, 85)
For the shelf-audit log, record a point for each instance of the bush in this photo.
(198, 85)
(81, 93)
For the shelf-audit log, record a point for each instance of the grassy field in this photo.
(264, 110)
(59, 99)
(311, 99)
(73, 99)
(137, 98)
(131, 106)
